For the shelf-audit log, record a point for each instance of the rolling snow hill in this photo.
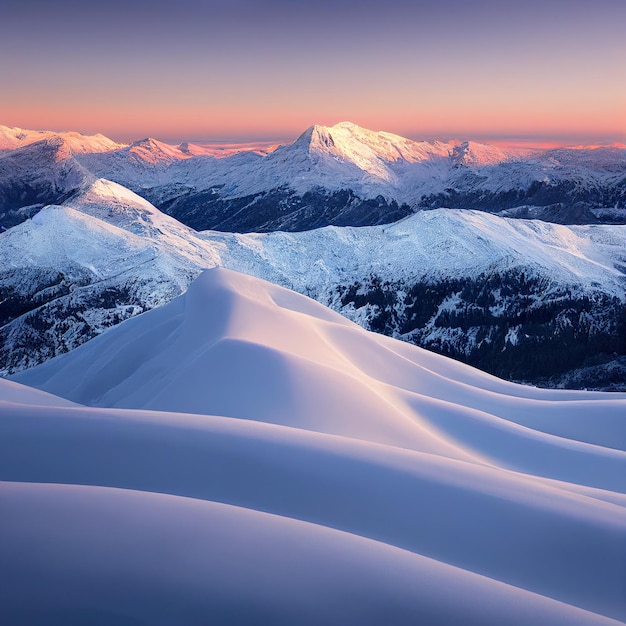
(524, 299)
(257, 456)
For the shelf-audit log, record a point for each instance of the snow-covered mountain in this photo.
(74, 270)
(341, 175)
(524, 299)
(40, 173)
(347, 175)
(12, 138)
(319, 474)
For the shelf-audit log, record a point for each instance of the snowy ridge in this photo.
(362, 468)
(368, 149)
(348, 156)
(12, 138)
(107, 254)
(435, 244)
(155, 152)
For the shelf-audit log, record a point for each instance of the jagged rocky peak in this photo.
(314, 138)
(458, 154)
(474, 154)
(322, 137)
(147, 143)
(153, 151)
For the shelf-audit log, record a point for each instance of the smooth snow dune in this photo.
(558, 412)
(238, 346)
(339, 428)
(16, 395)
(528, 532)
(93, 555)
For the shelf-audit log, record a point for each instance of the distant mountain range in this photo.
(340, 175)
(526, 300)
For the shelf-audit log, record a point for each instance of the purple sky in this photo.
(265, 70)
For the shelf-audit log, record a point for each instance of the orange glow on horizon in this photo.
(250, 126)
(522, 72)
(487, 116)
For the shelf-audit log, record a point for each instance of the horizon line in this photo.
(266, 140)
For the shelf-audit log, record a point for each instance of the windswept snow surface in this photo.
(256, 457)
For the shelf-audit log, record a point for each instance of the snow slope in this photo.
(88, 249)
(229, 565)
(314, 471)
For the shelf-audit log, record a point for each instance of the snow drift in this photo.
(364, 481)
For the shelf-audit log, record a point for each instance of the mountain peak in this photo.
(324, 135)
(471, 153)
(315, 134)
(154, 151)
(12, 138)
(146, 142)
(348, 125)
(370, 156)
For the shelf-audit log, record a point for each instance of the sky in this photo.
(265, 70)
